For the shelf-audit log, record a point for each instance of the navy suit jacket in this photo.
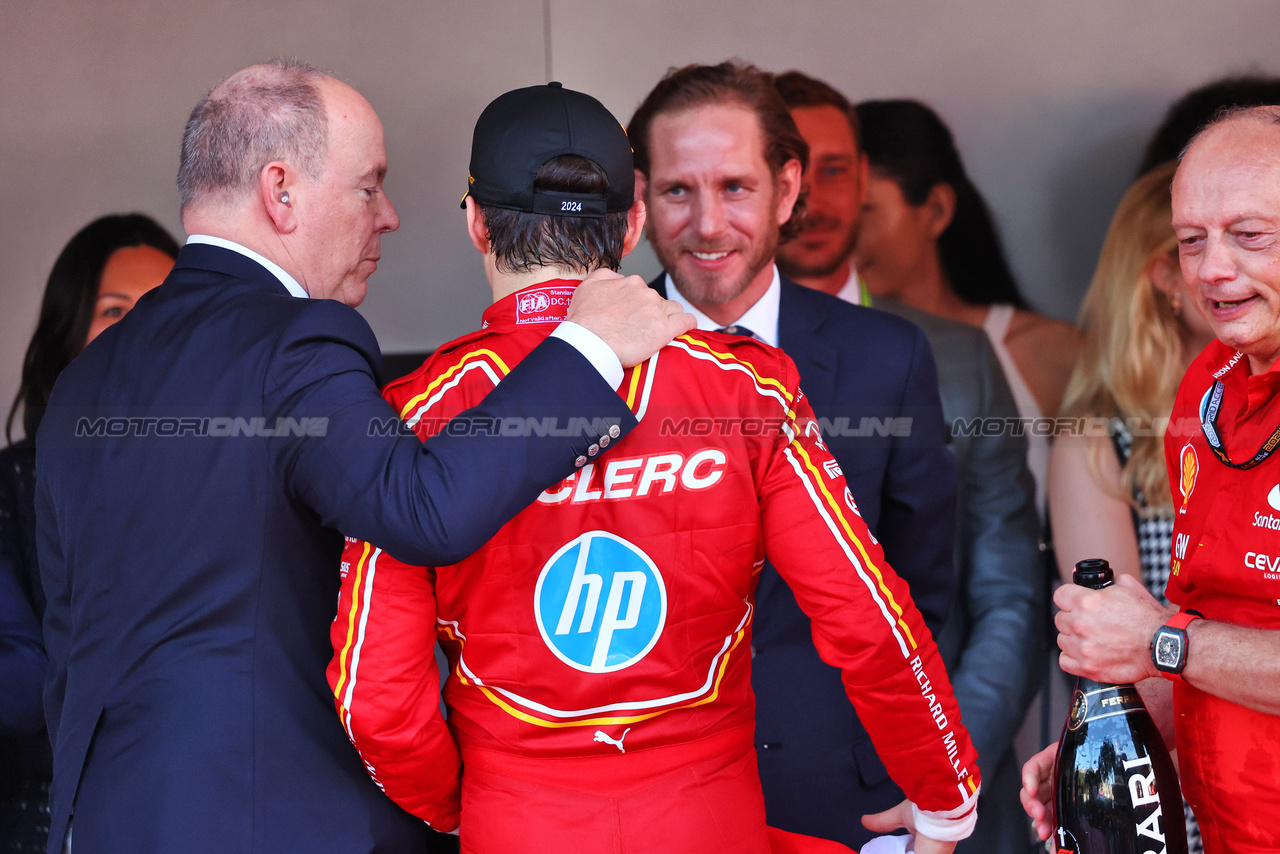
(190, 555)
(864, 371)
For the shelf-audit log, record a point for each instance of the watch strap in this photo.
(1177, 623)
(1182, 619)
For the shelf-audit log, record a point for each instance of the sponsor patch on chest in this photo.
(1268, 565)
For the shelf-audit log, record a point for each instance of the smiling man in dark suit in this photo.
(199, 458)
(719, 163)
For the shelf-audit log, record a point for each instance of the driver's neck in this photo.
(504, 284)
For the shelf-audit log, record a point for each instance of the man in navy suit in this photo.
(718, 164)
(197, 461)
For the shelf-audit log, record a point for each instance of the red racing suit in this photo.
(612, 618)
(1226, 566)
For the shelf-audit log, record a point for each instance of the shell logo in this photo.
(1190, 466)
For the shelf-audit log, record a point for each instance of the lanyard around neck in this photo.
(1209, 425)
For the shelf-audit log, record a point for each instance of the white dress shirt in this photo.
(761, 318)
(586, 342)
(852, 290)
(289, 282)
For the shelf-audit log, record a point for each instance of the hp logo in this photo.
(600, 603)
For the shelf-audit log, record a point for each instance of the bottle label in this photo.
(1145, 798)
(1079, 708)
(1147, 814)
(1102, 703)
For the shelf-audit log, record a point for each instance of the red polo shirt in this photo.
(1226, 565)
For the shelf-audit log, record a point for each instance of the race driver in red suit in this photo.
(600, 644)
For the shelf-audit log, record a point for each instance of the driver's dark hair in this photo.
(523, 241)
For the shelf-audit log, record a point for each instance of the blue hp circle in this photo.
(600, 603)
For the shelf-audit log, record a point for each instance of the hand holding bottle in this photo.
(1116, 788)
(1105, 635)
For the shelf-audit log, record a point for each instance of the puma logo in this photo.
(616, 742)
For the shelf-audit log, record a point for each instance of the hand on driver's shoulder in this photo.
(632, 318)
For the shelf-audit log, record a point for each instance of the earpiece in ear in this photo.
(284, 198)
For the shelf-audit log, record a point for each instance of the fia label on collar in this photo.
(543, 305)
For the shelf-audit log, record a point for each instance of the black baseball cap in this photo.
(523, 129)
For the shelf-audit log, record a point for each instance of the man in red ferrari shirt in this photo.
(600, 643)
(1220, 649)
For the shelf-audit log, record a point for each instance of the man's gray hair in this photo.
(1265, 114)
(272, 111)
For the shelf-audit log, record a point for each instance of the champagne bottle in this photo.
(1117, 791)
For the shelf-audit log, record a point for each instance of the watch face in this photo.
(1168, 650)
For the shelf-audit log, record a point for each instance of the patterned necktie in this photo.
(737, 330)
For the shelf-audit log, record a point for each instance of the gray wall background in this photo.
(1050, 104)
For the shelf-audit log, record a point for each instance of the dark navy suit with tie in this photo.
(866, 372)
(194, 468)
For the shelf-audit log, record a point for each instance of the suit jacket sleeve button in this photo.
(593, 450)
(580, 462)
(614, 431)
(604, 441)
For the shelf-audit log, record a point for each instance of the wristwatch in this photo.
(1169, 645)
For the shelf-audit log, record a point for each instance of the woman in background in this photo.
(1109, 494)
(927, 239)
(96, 280)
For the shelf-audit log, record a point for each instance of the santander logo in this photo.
(1268, 521)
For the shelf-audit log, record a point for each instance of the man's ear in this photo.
(635, 227)
(787, 186)
(642, 186)
(276, 190)
(1165, 274)
(477, 230)
(941, 208)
